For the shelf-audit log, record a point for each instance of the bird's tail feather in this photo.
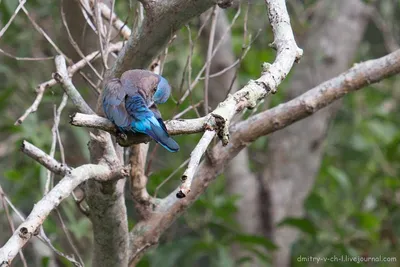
(162, 137)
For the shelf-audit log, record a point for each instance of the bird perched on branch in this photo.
(130, 103)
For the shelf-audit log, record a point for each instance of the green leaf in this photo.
(224, 259)
(13, 175)
(45, 261)
(303, 224)
(340, 177)
(383, 131)
(368, 221)
(255, 240)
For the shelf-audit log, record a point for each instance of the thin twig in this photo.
(242, 56)
(214, 18)
(108, 38)
(86, 11)
(245, 30)
(69, 238)
(42, 32)
(11, 223)
(50, 174)
(21, 4)
(119, 25)
(386, 31)
(71, 70)
(92, 85)
(217, 46)
(42, 235)
(25, 58)
(74, 44)
(169, 177)
(189, 108)
(99, 26)
(54, 130)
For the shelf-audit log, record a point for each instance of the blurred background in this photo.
(326, 186)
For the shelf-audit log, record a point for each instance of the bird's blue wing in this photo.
(157, 114)
(114, 104)
(145, 121)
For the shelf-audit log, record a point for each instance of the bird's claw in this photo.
(122, 136)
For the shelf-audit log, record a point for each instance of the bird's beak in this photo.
(150, 104)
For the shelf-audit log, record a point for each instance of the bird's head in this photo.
(162, 91)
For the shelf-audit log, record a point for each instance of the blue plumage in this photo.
(129, 103)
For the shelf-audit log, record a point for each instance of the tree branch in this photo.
(30, 227)
(62, 77)
(71, 71)
(157, 28)
(195, 157)
(174, 127)
(138, 180)
(40, 156)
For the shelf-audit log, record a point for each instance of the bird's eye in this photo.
(154, 89)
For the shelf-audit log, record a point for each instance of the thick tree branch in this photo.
(157, 28)
(360, 75)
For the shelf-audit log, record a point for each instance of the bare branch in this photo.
(25, 58)
(62, 77)
(74, 44)
(183, 112)
(100, 30)
(31, 226)
(174, 127)
(49, 162)
(42, 235)
(10, 222)
(42, 32)
(169, 177)
(387, 33)
(118, 24)
(157, 28)
(137, 158)
(208, 61)
(214, 17)
(20, 5)
(71, 70)
(54, 130)
(360, 75)
(195, 158)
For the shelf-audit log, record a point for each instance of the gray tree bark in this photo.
(295, 152)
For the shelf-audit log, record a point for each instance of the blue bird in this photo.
(130, 103)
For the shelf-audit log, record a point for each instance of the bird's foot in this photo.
(121, 135)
